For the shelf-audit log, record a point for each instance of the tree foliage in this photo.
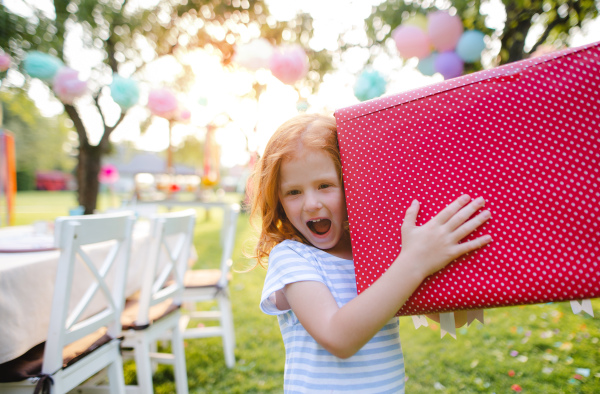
(128, 36)
(547, 22)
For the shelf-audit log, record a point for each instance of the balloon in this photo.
(418, 20)
(254, 55)
(41, 65)
(449, 64)
(470, 45)
(289, 63)
(425, 66)
(124, 91)
(411, 41)
(108, 174)
(68, 86)
(4, 62)
(444, 30)
(163, 103)
(369, 84)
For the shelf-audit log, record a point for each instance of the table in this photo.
(27, 286)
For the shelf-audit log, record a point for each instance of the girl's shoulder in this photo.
(304, 250)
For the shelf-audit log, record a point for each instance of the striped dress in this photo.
(376, 368)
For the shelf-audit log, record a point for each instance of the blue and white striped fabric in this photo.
(376, 368)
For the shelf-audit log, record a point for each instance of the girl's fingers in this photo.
(470, 226)
(451, 210)
(464, 214)
(472, 245)
(410, 217)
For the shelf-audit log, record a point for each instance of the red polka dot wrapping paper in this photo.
(526, 137)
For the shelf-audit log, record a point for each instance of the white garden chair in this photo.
(81, 343)
(155, 313)
(203, 285)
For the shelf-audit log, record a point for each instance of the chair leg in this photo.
(143, 366)
(179, 366)
(228, 330)
(116, 380)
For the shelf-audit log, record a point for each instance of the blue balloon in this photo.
(41, 65)
(369, 84)
(470, 45)
(124, 91)
(426, 66)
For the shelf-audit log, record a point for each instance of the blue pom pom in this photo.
(369, 84)
(124, 91)
(41, 65)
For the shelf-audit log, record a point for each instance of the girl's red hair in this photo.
(309, 131)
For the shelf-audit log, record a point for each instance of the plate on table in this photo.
(26, 242)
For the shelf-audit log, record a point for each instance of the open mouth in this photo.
(319, 226)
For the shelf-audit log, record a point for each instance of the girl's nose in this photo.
(312, 203)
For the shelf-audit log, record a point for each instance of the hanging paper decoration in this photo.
(470, 45)
(4, 62)
(426, 66)
(411, 41)
(162, 102)
(68, 86)
(41, 65)
(289, 63)
(369, 84)
(449, 64)
(444, 30)
(254, 55)
(108, 174)
(124, 91)
(184, 115)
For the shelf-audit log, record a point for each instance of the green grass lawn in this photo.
(536, 348)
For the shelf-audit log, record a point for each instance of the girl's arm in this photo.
(426, 249)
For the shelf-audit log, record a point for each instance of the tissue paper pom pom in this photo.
(184, 115)
(369, 84)
(411, 41)
(4, 62)
(449, 64)
(162, 102)
(289, 63)
(254, 55)
(470, 45)
(124, 91)
(108, 174)
(41, 65)
(426, 66)
(68, 86)
(444, 30)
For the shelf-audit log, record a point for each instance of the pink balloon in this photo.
(289, 63)
(444, 30)
(163, 103)
(68, 86)
(449, 64)
(4, 62)
(411, 41)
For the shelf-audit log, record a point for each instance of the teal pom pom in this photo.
(124, 91)
(369, 84)
(41, 65)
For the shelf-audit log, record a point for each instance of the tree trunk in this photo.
(88, 168)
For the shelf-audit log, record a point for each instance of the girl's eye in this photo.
(324, 186)
(293, 192)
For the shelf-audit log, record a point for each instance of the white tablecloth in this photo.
(27, 286)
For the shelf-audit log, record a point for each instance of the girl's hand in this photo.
(432, 246)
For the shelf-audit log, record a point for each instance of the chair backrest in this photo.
(72, 234)
(171, 239)
(227, 241)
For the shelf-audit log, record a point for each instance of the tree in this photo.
(542, 21)
(127, 37)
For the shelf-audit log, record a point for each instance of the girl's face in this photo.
(313, 199)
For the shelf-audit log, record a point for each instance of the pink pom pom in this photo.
(412, 41)
(254, 55)
(4, 62)
(289, 64)
(68, 86)
(184, 115)
(444, 30)
(163, 103)
(108, 174)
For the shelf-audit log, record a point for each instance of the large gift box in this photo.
(526, 137)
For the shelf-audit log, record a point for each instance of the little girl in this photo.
(336, 341)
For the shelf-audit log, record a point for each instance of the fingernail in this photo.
(414, 202)
(487, 238)
(480, 200)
